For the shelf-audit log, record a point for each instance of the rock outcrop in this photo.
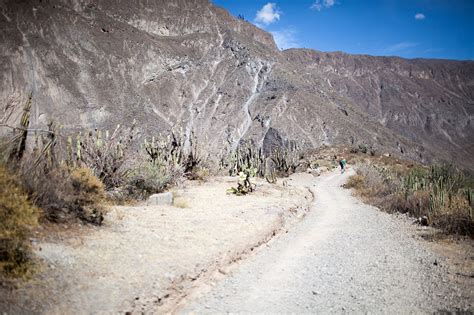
(189, 66)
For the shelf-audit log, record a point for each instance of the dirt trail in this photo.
(345, 256)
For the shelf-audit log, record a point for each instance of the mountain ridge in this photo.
(191, 67)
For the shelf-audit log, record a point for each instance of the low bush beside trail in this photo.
(442, 194)
(18, 216)
(64, 193)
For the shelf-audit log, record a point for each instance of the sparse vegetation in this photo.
(200, 173)
(104, 153)
(148, 178)
(244, 186)
(286, 160)
(180, 202)
(362, 148)
(442, 193)
(17, 217)
(65, 193)
(248, 159)
(356, 182)
(170, 151)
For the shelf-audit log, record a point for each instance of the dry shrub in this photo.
(441, 193)
(249, 159)
(355, 181)
(416, 204)
(199, 173)
(17, 217)
(378, 181)
(457, 217)
(372, 177)
(65, 194)
(105, 154)
(286, 160)
(88, 195)
(180, 202)
(148, 178)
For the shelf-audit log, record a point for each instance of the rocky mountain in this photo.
(191, 67)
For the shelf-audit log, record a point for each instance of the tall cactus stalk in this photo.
(19, 143)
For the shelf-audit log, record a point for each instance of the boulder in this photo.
(160, 199)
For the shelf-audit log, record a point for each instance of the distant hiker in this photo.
(342, 164)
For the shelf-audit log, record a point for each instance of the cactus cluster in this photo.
(162, 150)
(244, 186)
(250, 159)
(247, 158)
(103, 152)
(441, 182)
(171, 150)
(440, 193)
(286, 160)
(18, 142)
(469, 195)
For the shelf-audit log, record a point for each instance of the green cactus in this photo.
(244, 186)
(246, 158)
(78, 147)
(69, 152)
(18, 143)
(469, 196)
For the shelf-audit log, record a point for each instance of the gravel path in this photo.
(345, 256)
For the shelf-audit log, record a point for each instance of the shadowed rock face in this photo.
(190, 67)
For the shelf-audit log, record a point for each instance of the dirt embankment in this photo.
(148, 257)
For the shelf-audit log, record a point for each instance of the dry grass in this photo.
(65, 194)
(441, 193)
(17, 217)
(180, 202)
(356, 182)
(199, 173)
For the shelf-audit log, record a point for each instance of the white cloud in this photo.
(321, 4)
(400, 47)
(420, 16)
(267, 14)
(285, 38)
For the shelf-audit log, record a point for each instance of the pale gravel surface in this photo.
(344, 257)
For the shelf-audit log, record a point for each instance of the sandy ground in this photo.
(344, 257)
(145, 259)
(262, 253)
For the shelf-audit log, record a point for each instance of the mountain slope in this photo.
(190, 67)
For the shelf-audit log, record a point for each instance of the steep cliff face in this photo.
(429, 102)
(190, 67)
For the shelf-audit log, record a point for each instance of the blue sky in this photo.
(405, 28)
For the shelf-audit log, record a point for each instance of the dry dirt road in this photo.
(345, 256)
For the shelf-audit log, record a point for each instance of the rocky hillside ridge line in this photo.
(191, 67)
